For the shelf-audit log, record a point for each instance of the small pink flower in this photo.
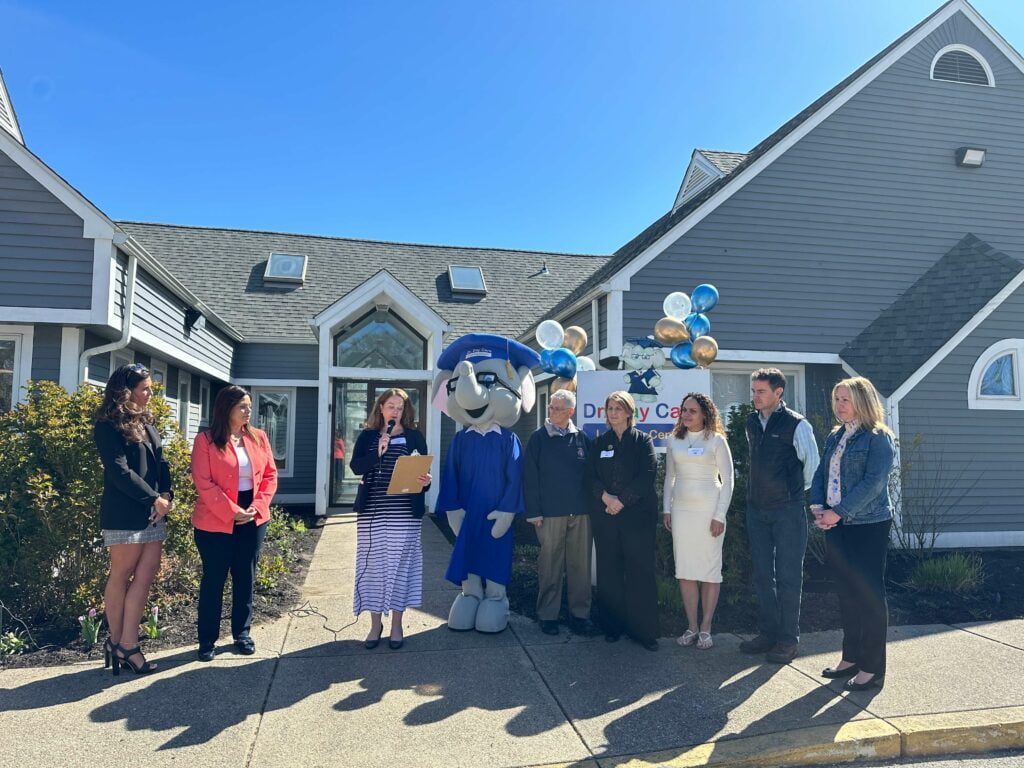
(156, 611)
(92, 613)
(81, 619)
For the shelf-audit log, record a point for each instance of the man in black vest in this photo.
(783, 457)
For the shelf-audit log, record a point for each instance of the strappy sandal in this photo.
(687, 638)
(704, 640)
(122, 656)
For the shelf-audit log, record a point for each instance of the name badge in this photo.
(398, 441)
(695, 451)
(608, 454)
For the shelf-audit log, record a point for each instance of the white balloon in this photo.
(585, 364)
(550, 334)
(676, 304)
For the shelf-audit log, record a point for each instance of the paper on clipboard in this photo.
(407, 469)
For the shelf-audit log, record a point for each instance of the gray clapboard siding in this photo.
(986, 446)
(303, 479)
(602, 321)
(46, 353)
(44, 260)
(584, 318)
(161, 313)
(851, 215)
(276, 361)
(99, 365)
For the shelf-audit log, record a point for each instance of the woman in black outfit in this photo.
(136, 499)
(623, 511)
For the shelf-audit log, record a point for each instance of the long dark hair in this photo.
(117, 407)
(712, 421)
(376, 419)
(220, 420)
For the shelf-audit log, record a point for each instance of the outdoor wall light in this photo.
(970, 157)
(194, 320)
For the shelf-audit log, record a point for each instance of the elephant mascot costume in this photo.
(484, 383)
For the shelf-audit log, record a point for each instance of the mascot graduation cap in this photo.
(484, 383)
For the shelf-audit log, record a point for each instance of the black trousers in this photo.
(856, 557)
(221, 553)
(627, 591)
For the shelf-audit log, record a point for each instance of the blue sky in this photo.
(560, 125)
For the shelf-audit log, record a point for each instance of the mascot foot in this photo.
(463, 614)
(492, 616)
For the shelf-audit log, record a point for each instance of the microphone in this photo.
(391, 426)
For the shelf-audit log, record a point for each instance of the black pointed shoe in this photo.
(838, 674)
(878, 681)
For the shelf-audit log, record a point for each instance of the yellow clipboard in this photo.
(407, 469)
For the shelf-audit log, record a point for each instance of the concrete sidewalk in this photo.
(313, 696)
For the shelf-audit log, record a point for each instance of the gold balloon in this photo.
(670, 331)
(575, 339)
(704, 351)
(560, 383)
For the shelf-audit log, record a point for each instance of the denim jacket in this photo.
(863, 476)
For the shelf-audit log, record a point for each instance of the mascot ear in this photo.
(439, 396)
(529, 388)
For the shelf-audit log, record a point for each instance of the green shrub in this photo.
(956, 573)
(669, 599)
(13, 643)
(736, 566)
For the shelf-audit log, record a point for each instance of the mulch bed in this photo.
(62, 645)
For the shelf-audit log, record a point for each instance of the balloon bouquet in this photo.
(560, 350)
(685, 327)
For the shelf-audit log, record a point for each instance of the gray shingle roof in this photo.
(224, 267)
(924, 318)
(654, 231)
(726, 162)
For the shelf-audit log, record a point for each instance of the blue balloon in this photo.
(704, 298)
(563, 363)
(697, 324)
(545, 360)
(681, 356)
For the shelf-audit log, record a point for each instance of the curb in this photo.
(952, 733)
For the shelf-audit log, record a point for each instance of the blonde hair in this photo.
(623, 398)
(867, 403)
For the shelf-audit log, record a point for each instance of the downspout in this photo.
(126, 322)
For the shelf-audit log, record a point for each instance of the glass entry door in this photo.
(353, 399)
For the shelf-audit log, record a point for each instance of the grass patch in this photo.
(955, 573)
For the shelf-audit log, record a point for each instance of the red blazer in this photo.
(215, 473)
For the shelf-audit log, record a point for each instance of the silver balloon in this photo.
(676, 304)
(585, 364)
(550, 334)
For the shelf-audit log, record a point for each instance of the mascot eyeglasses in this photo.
(485, 379)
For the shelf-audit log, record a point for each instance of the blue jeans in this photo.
(778, 540)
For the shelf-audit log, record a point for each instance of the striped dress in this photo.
(389, 554)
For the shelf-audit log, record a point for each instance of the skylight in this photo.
(466, 279)
(286, 268)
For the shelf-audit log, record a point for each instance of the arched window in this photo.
(995, 381)
(961, 64)
(380, 339)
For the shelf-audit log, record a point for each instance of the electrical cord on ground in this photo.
(307, 609)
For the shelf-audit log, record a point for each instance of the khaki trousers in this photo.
(565, 546)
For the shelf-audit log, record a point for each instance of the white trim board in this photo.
(971, 539)
(770, 356)
(294, 498)
(250, 382)
(177, 357)
(48, 316)
(23, 336)
(739, 179)
(72, 342)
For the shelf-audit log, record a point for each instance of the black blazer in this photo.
(365, 462)
(626, 469)
(134, 476)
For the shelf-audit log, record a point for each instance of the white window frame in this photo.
(971, 52)
(543, 398)
(159, 367)
(204, 400)
(796, 389)
(120, 357)
(292, 393)
(978, 401)
(184, 403)
(22, 336)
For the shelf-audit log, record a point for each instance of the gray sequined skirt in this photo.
(150, 533)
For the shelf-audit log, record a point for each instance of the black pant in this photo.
(236, 552)
(626, 588)
(856, 556)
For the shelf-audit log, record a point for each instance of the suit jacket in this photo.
(365, 462)
(215, 473)
(625, 468)
(134, 476)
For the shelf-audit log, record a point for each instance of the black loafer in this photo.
(245, 646)
(549, 627)
(782, 653)
(837, 674)
(878, 681)
(206, 653)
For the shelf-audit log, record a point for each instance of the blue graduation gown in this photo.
(482, 473)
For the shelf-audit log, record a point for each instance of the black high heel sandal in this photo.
(108, 652)
(146, 668)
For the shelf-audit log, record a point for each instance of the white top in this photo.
(698, 474)
(244, 468)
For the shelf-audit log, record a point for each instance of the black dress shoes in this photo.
(371, 644)
(878, 681)
(759, 644)
(647, 645)
(837, 674)
(245, 645)
(549, 627)
(394, 645)
(781, 653)
(206, 653)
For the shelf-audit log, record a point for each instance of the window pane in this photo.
(998, 379)
(273, 410)
(380, 340)
(729, 390)
(7, 349)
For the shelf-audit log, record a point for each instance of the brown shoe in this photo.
(782, 653)
(759, 644)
